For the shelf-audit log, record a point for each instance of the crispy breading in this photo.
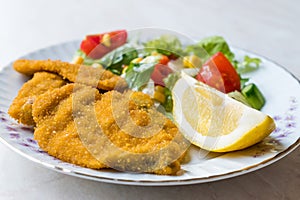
(144, 139)
(21, 107)
(55, 130)
(96, 77)
(123, 131)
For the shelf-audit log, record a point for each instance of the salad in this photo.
(154, 67)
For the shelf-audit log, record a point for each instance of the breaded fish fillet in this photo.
(121, 131)
(96, 77)
(55, 130)
(143, 139)
(21, 107)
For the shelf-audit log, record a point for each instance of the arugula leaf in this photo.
(114, 60)
(210, 46)
(138, 75)
(248, 65)
(165, 44)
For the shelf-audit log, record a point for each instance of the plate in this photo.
(281, 89)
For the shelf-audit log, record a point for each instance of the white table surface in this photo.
(269, 28)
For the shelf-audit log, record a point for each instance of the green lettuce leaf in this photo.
(166, 44)
(248, 65)
(138, 75)
(171, 79)
(114, 60)
(210, 46)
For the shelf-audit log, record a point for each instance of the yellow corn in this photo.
(124, 69)
(191, 61)
(78, 60)
(137, 60)
(160, 89)
(160, 97)
(159, 94)
(106, 40)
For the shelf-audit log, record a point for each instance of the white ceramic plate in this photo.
(280, 88)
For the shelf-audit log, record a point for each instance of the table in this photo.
(269, 28)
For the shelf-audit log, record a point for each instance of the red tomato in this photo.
(93, 47)
(164, 60)
(219, 73)
(88, 45)
(117, 38)
(159, 73)
(95, 38)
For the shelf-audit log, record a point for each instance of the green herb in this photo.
(166, 44)
(114, 60)
(248, 65)
(210, 46)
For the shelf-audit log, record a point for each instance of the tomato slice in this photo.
(219, 73)
(88, 45)
(159, 73)
(93, 47)
(95, 38)
(117, 38)
(164, 60)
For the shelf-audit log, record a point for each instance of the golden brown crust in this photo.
(55, 130)
(96, 77)
(21, 107)
(76, 124)
(75, 118)
(146, 140)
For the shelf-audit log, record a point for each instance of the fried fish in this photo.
(21, 107)
(96, 77)
(77, 124)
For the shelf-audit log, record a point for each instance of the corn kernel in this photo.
(137, 60)
(192, 61)
(160, 97)
(160, 89)
(106, 40)
(124, 69)
(78, 60)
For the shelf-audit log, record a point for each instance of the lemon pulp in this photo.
(214, 121)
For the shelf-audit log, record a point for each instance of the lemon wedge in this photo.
(214, 121)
